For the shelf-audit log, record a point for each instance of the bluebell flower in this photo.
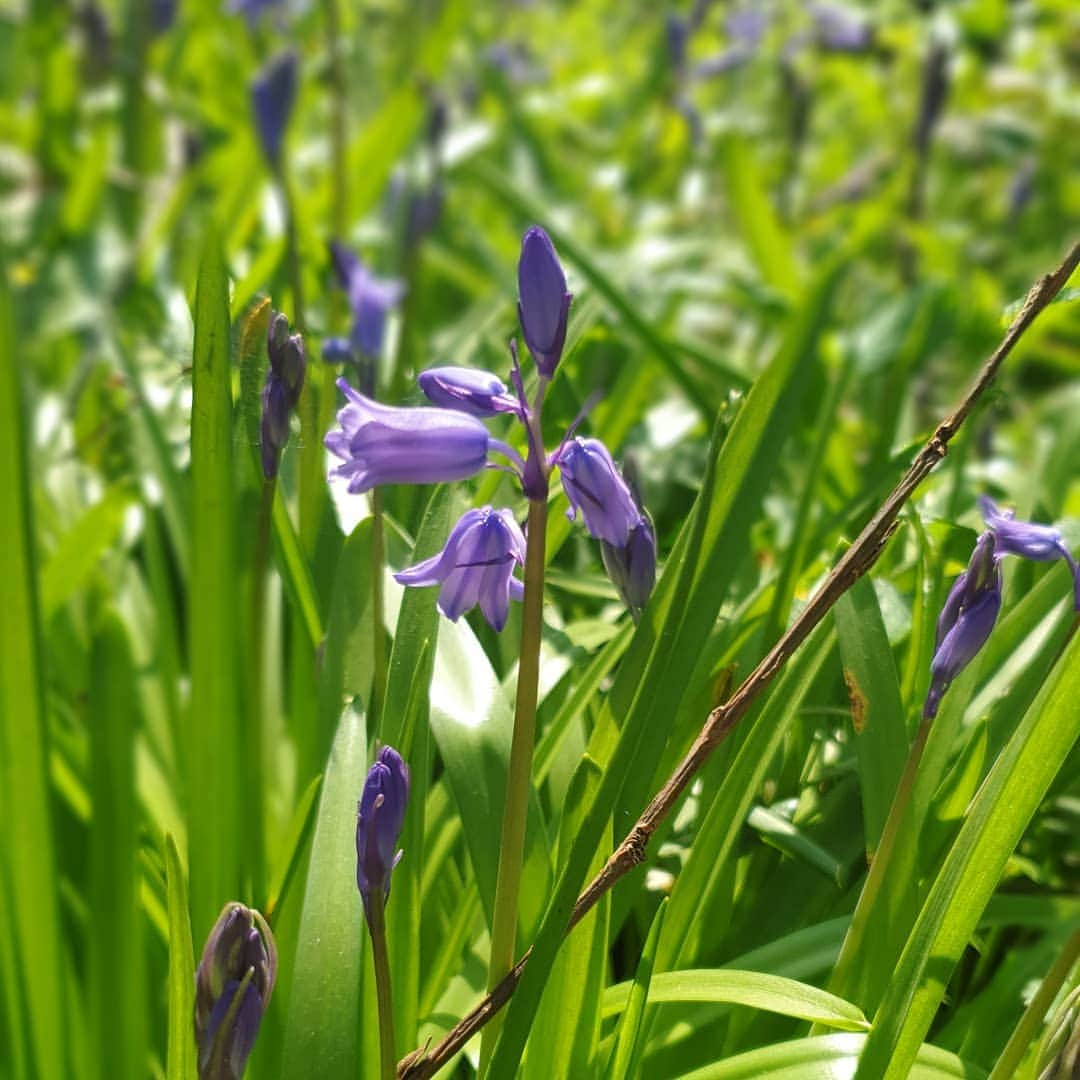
(632, 567)
(273, 93)
(476, 392)
(1042, 543)
(380, 444)
(596, 490)
(281, 392)
(380, 815)
(543, 302)
(337, 350)
(371, 299)
(233, 984)
(838, 29)
(476, 566)
(966, 620)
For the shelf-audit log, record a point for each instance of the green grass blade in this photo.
(322, 1027)
(624, 1054)
(995, 822)
(180, 1062)
(27, 847)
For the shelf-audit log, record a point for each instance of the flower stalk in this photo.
(376, 912)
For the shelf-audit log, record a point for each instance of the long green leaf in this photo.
(27, 847)
(180, 1064)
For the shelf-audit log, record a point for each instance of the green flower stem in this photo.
(519, 774)
(252, 756)
(378, 637)
(381, 959)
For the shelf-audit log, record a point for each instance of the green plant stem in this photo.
(1008, 1065)
(880, 863)
(519, 773)
(378, 636)
(381, 959)
(254, 766)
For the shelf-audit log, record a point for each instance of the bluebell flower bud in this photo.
(1042, 543)
(596, 490)
(281, 391)
(478, 393)
(543, 302)
(233, 984)
(476, 566)
(632, 567)
(966, 620)
(380, 444)
(379, 817)
(273, 94)
(371, 299)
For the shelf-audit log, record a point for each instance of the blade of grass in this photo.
(180, 1062)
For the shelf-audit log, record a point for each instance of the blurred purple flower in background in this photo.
(475, 567)
(380, 815)
(966, 620)
(273, 94)
(252, 10)
(839, 29)
(233, 984)
(371, 299)
(543, 302)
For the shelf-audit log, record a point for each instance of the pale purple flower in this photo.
(380, 815)
(966, 620)
(1042, 543)
(838, 29)
(379, 444)
(371, 299)
(543, 302)
(596, 490)
(479, 393)
(239, 957)
(273, 93)
(476, 566)
(632, 567)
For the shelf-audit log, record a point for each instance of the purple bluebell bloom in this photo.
(596, 490)
(233, 984)
(380, 815)
(838, 29)
(1042, 543)
(632, 567)
(543, 302)
(476, 566)
(380, 444)
(273, 93)
(337, 350)
(478, 393)
(281, 392)
(966, 620)
(370, 298)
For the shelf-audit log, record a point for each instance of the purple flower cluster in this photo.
(233, 984)
(973, 603)
(378, 444)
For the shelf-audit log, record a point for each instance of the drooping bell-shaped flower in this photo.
(632, 567)
(1042, 543)
(596, 490)
(371, 299)
(380, 815)
(233, 984)
(478, 393)
(379, 444)
(273, 94)
(966, 620)
(543, 302)
(281, 391)
(476, 566)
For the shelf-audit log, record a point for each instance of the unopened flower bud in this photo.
(379, 818)
(543, 302)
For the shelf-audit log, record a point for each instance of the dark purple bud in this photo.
(162, 15)
(543, 302)
(966, 620)
(677, 36)
(632, 567)
(273, 94)
(476, 392)
(380, 815)
(274, 425)
(1042, 543)
(380, 444)
(596, 490)
(935, 88)
(233, 984)
(281, 391)
(475, 567)
(337, 350)
(370, 300)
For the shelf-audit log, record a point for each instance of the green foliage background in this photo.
(778, 295)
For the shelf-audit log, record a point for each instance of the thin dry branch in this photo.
(853, 564)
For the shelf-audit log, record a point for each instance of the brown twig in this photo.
(855, 562)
